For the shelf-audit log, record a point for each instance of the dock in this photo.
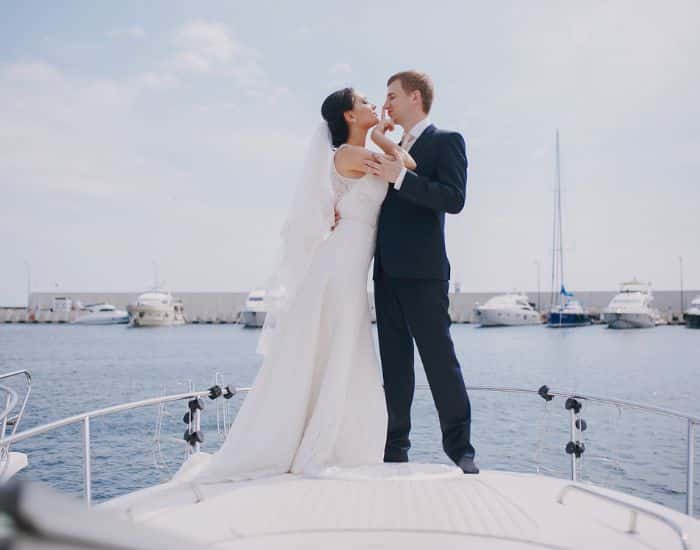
(210, 308)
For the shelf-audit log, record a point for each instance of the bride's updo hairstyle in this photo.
(333, 112)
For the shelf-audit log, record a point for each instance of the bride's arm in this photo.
(351, 160)
(389, 147)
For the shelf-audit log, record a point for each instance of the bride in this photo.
(317, 400)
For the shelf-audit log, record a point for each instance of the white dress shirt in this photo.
(407, 141)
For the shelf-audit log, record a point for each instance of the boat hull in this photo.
(506, 318)
(563, 320)
(153, 318)
(629, 320)
(252, 319)
(692, 320)
(91, 319)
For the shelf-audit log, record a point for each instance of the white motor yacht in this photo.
(632, 307)
(102, 314)
(692, 314)
(507, 310)
(412, 505)
(253, 315)
(156, 308)
(61, 309)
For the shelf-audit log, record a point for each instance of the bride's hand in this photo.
(384, 125)
(337, 218)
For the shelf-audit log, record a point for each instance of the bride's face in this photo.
(363, 114)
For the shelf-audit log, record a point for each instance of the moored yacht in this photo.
(507, 310)
(102, 314)
(156, 308)
(692, 314)
(61, 309)
(566, 310)
(253, 315)
(632, 307)
(568, 313)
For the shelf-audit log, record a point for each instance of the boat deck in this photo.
(405, 505)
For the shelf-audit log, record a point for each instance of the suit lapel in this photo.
(418, 145)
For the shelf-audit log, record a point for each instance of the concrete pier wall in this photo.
(217, 307)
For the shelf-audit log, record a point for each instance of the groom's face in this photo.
(398, 103)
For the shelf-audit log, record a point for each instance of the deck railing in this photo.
(6, 417)
(573, 403)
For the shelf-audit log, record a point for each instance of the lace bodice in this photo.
(358, 199)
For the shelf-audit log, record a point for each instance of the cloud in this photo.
(133, 161)
(133, 31)
(209, 49)
(210, 40)
(86, 135)
(30, 71)
(204, 47)
(56, 130)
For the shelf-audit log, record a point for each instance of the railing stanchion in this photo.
(690, 471)
(4, 418)
(572, 430)
(197, 427)
(87, 472)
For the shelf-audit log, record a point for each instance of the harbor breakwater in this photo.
(224, 307)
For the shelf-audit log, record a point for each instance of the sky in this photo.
(170, 134)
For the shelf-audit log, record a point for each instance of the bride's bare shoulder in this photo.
(350, 160)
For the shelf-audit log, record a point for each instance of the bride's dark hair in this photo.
(333, 110)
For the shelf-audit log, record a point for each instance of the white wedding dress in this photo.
(317, 401)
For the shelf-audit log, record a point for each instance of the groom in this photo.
(412, 272)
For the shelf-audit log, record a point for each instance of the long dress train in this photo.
(317, 400)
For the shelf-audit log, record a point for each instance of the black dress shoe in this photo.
(394, 458)
(467, 465)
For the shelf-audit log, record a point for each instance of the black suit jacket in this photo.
(411, 227)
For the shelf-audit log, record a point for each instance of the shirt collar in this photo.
(419, 128)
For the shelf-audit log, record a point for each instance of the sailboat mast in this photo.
(552, 296)
(559, 220)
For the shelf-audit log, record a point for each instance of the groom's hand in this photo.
(385, 167)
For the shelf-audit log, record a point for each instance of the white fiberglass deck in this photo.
(402, 505)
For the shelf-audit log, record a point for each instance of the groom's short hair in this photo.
(414, 80)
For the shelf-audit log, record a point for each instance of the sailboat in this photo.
(566, 310)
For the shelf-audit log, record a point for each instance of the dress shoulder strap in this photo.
(334, 168)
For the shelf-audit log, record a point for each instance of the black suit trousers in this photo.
(417, 309)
